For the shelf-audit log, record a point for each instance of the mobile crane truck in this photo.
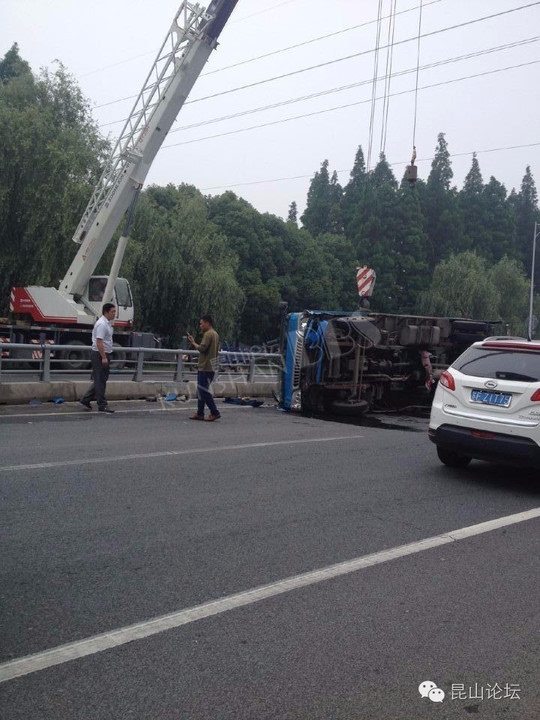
(66, 315)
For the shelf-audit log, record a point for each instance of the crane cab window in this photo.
(123, 293)
(96, 288)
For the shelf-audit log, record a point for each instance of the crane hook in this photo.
(412, 170)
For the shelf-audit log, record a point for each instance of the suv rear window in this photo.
(500, 364)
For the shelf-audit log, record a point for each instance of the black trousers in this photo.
(204, 396)
(100, 375)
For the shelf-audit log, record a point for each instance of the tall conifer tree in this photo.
(439, 206)
(13, 65)
(293, 213)
(472, 205)
(526, 214)
(374, 231)
(354, 195)
(410, 251)
(498, 221)
(319, 201)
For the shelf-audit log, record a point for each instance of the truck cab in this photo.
(123, 298)
(43, 305)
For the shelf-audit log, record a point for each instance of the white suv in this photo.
(487, 405)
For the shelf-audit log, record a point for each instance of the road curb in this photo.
(22, 393)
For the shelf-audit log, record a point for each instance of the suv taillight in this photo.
(536, 396)
(447, 380)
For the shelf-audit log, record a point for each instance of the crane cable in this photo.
(388, 78)
(374, 84)
(416, 84)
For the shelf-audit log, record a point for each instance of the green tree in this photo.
(180, 265)
(526, 214)
(382, 174)
(293, 213)
(335, 218)
(410, 250)
(246, 234)
(373, 232)
(277, 261)
(50, 158)
(438, 201)
(476, 235)
(13, 65)
(254, 238)
(508, 277)
(498, 222)
(323, 213)
(461, 287)
(340, 266)
(310, 275)
(354, 195)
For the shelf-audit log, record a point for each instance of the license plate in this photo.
(488, 397)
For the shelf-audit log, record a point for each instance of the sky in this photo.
(485, 101)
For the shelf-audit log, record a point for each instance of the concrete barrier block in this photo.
(181, 388)
(247, 389)
(64, 389)
(129, 390)
(224, 389)
(22, 393)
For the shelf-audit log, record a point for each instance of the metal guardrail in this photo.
(43, 357)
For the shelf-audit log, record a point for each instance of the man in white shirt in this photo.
(102, 345)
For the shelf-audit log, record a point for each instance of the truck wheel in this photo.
(451, 458)
(75, 359)
(350, 409)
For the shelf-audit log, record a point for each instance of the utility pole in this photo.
(531, 302)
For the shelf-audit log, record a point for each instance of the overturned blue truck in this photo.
(352, 362)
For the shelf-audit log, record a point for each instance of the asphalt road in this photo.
(111, 521)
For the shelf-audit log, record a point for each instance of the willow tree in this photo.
(180, 265)
(51, 154)
(462, 287)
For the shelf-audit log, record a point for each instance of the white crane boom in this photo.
(190, 41)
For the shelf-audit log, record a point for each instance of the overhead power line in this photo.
(339, 172)
(152, 52)
(348, 105)
(388, 75)
(350, 86)
(364, 52)
(253, 59)
(374, 85)
(317, 39)
(341, 59)
(260, 12)
(417, 74)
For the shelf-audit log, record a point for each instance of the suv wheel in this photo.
(452, 459)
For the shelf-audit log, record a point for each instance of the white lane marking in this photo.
(106, 641)
(166, 408)
(164, 453)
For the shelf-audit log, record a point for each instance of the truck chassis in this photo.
(349, 363)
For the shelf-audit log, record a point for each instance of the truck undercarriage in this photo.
(349, 363)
